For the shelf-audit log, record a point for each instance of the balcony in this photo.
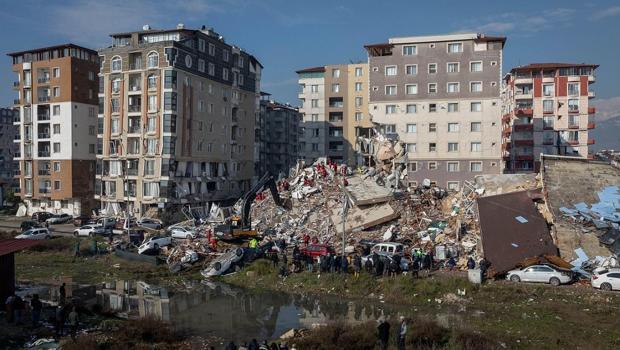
(506, 118)
(43, 135)
(548, 111)
(524, 157)
(591, 141)
(134, 129)
(135, 65)
(524, 110)
(44, 153)
(44, 80)
(591, 110)
(507, 131)
(572, 142)
(134, 109)
(135, 88)
(44, 98)
(43, 116)
(573, 125)
(524, 127)
(45, 172)
(520, 143)
(573, 109)
(591, 125)
(45, 190)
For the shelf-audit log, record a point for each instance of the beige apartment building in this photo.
(57, 101)
(177, 109)
(440, 95)
(546, 110)
(334, 101)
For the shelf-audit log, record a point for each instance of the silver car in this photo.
(542, 274)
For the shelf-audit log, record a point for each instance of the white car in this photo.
(183, 232)
(222, 263)
(89, 230)
(542, 274)
(389, 250)
(154, 243)
(35, 233)
(150, 223)
(606, 279)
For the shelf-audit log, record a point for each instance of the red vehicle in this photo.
(316, 250)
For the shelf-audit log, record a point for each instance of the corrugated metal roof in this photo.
(8, 246)
(512, 229)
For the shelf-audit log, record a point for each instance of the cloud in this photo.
(608, 12)
(607, 108)
(520, 23)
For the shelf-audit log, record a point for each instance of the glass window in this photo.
(476, 126)
(152, 60)
(412, 128)
(453, 147)
(455, 47)
(573, 89)
(432, 127)
(410, 50)
(358, 101)
(412, 89)
(453, 167)
(411, 147)
(548, 90)
(411, 69)
(390, 109)
(475, 66)
(548, 106)
(548, 122)
(152, 82)
(335, 73)
(475, 86)
(453, 87)
(453, 107)
(149, 167)
(476, 107)
(476, 147)
(358, 71)
(412, 108)
(432, 107)
(432, 88)
(358, 87)
(390, 70)
(453, 127)
(453, 67)
(475, 167)
(151, 124)
(432, 68)
(116, 65)
(152, 103)
(432, 147)
(573, 105)
(390, 89)
(335, 87)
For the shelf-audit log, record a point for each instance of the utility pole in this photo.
(345, 209)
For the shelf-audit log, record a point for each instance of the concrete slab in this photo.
(364, 217)
(366, 192)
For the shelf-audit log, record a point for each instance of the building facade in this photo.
(57, 89)
(440, 95)
(280, 132)
(177, 111)
(334, 102)
(9, 168)
(546, 110)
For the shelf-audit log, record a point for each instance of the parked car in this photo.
(106, 222)
(387, 251)
(59, 219)
(41, 216)
(316, 250)
(124, 224)
(183, 232)
(541, 273)
(35, 233)
(89, 230)
(82, 220)
(150, 223)
(223, 263)
(606, 279)
(154, 243)
(28, 224)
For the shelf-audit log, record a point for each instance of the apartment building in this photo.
(177, 109)
(8, 147)
(546, 109)
(440, 95)
(57, 102)
(280, 136)
(334, 107)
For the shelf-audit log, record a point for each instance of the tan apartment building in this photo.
(546, 110)
(57, 101)
(440, 95)
(334, 101)
(177, 109)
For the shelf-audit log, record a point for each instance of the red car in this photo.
(316, 250)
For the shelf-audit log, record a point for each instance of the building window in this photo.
(411, 69)
(390, 70)
(476, 147)
(412, 108)
(56, 73)
(91, 130)
(314, 88)
(432, 107)
(225, 73)
(358, 101)
(475, 66)
(453, 67)
(411, 148)
(335, 73)
(432, 68)
(548, 122)
(453, 167)
(314, 103)
(152, 60)
(573, 89)
(358, 71)
(151, 146)
(410, 50)
(152, 103)
(358, 87)
(202, 47)
(453, 186)
(548, 90)
(390, 90)
(390, 128)
(453, 88)
(453, 127)
(412, 89)
(151, 123)
(453, 107)
(432, 127)
(475, 167)
(432, 147)
(225, 55)
(56, 147)
(475, 107)
(432, 88)
(412, 128)
(432, 165)
(390, 109)
(453, 147)
(211, 49)
(547, 106)
(56, 91)
(335, 87)
(573, 121)
(455, 47)
(116, 86)
(413, 166)
(211, 68)
(475, 86)
(314, 117)
(56, 110)
(201, 65)
(358, 116)
(56, 185)
(114, 125)
(56, 166)
(117, 64)
(152, 82)
(573, 105)
(476, 126)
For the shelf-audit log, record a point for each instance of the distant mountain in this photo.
(606, 134)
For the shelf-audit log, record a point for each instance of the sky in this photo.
(287, 35)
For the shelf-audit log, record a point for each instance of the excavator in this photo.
(239, 225)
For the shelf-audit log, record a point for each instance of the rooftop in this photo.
(551, 65)
(8, 246)
(311, 70)
(436, 38)
(55, 47)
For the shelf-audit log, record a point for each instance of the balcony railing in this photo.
(45, 190)
(136, 129)
(135, 65)
(44, 153)
(524, 110)
(44, 80)
(573, 109)
(132, 172)
(44, 135)
(524, 142)
(43, 116)
(524, 127)
(45, 172)
(573, 125)
(44, 98)
(135, 87)
(134, 108)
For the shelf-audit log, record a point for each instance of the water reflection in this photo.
(215, 309)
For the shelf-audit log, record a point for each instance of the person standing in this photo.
(10, 308)
(60, 321)
(19, 307)
(383, 333)
(357, 265)
(74, 321)
(36, 306)
(62, 294)
(402, 333)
